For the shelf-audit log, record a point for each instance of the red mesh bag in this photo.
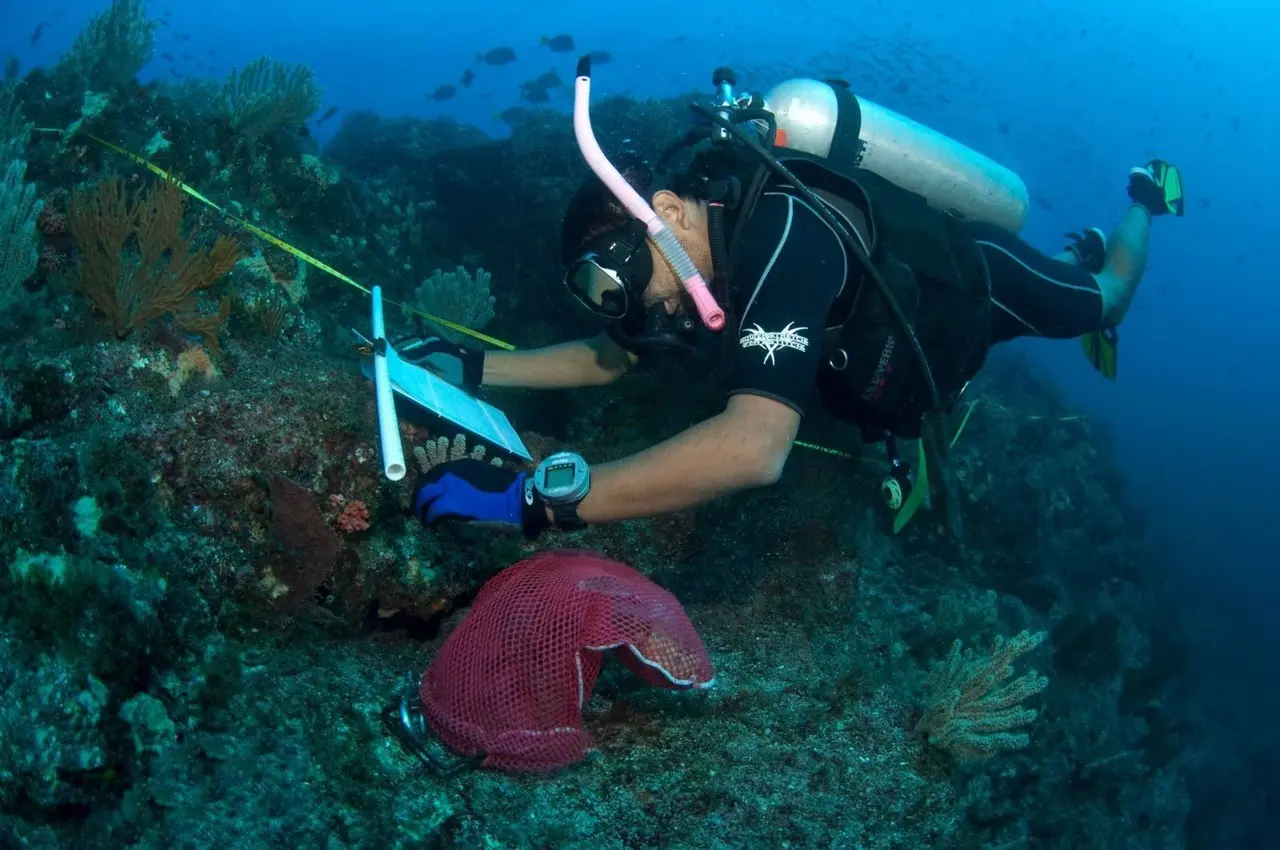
(511, 680)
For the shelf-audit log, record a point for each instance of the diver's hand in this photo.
(473, 491)
(463, 367)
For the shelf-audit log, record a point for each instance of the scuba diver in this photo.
(862, 264)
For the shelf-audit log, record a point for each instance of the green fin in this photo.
(933, 480)
(1173, 190)
(955, 438)
(943, 487)
(1101, 347)
(918, 490)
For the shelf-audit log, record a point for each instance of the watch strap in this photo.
(566, 517)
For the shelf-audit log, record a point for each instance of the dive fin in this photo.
(1102, 349)
(919, 489)
(943, 488)
(934, 481)
(1158, 187)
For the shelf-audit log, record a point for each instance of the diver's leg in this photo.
(1125, 262)
(1155, 189)
(1033, 294)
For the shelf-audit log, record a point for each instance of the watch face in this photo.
(560, 476)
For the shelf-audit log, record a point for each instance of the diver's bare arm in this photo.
(582, 363)
(745, 446)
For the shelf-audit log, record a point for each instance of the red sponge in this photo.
(512, 679)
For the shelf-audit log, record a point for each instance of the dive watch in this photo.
(562, 481)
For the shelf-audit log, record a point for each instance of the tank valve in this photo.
(724, 79)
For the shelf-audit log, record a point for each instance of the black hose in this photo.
(719, 243)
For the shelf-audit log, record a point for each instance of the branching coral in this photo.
(968, 711)
(112, 49)
(267, 95)
(457, 296)
(440, 450)
(18, 212)
(134, 263)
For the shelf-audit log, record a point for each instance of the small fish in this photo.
(35, 36)
(328, 113)
(549, 80)
(533, 94)
(444, 93)
(562, 43)
(166, 57)
(1003, 128)
(12, 66)
(497, 56)
(902, 87)
(1235, 124)
(304, 131)
(600, 57)
(513, 115)
(174, 74)
(142, 92)
(468, 77)
(1043, 203)
(181, 36)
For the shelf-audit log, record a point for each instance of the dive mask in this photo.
(610, 277)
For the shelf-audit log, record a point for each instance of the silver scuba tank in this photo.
(950, 176)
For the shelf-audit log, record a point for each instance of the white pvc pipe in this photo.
(388, 425)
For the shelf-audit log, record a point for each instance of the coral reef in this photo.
(210, 592)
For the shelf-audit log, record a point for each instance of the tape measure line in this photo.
(280, 243)
(327, 269)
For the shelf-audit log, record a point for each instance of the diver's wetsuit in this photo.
(1035, 295)
(790, 267)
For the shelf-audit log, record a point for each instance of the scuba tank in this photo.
(829, 121)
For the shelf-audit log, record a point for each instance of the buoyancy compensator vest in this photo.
(935, 272)
(937, 301)
(913, 326)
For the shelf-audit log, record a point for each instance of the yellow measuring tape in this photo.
(817, 448)
(280, 243)
(326, 268)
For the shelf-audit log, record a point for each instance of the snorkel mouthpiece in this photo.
(694, 284)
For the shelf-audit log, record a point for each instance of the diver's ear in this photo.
(671, 207)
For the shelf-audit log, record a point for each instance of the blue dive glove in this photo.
(473, 491)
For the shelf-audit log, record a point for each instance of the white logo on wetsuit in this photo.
(789, 337)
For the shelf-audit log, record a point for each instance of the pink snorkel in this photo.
(710, 312)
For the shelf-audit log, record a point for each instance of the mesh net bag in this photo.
(510, 682)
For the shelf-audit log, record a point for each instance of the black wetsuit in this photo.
(790, 268)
